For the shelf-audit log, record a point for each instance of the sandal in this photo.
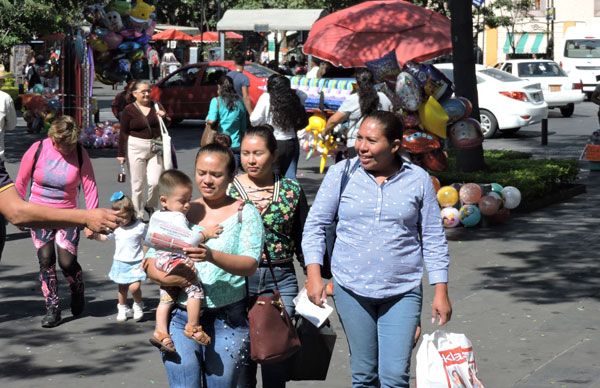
(197, 334)
(163, 342)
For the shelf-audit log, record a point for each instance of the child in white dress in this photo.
(126, 270)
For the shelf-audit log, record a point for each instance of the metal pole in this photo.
(552, 30)
(544, 132)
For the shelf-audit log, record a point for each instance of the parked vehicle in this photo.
(560, 90)
(506, 103)
(186, 93)
(578, 53)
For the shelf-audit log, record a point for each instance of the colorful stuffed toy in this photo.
(140, 13)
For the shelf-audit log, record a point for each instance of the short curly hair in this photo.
(64, 130)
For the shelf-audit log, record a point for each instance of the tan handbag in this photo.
(208, 136)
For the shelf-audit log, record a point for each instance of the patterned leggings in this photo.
(66, 249)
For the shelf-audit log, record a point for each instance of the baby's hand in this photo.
(88, 233)
(212, 231)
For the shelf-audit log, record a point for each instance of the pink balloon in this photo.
(488, 205)
(470, 193)
(113, 40)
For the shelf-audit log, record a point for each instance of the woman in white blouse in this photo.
(282, 108)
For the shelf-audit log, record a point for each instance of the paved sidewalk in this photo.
(526, 293)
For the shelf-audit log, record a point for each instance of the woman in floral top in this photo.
(283, 207)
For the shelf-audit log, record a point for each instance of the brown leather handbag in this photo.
(273, 337)
(210, 130)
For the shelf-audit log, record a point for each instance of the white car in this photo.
(560, 91)
(506, 103)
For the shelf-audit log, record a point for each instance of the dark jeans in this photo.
(273, 375)
(288, 153)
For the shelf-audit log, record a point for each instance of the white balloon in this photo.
(511, 196)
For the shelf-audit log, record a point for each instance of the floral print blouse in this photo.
(283, 219)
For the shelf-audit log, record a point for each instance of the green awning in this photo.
(526, 43)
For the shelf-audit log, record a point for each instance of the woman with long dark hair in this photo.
(357, 106)
(227, 109)
(282, 108)
(283, 208)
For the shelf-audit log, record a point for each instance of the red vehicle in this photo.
(186, 93)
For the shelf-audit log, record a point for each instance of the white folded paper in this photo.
(315, 314)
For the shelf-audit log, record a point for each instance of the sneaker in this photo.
(138, 311)
(52, 317)
(123, 312)
(77, 303)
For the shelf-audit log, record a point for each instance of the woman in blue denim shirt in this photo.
(283, 207)
(222, 265)
(389, 226)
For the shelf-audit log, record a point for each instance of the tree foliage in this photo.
(24, 20)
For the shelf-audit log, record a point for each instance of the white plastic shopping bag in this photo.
(446, 360)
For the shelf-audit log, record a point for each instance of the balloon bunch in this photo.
(40, 108)
(103, 135)
(467, 204)
(430, 114)
(313, 139)
(119, 37)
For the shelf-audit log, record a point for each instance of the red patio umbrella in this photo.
(233, 36)
(171, 34)
(371, 29)
(207, 37)
(213, 36)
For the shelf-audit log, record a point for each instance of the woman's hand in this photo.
(121, 159)
(441, 307)
(314, 285)
(199, 253)
(161, 113)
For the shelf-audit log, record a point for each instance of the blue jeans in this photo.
(273, 375)
(216, 365)
(380, 335)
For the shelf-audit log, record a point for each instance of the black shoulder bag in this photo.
(330, 230)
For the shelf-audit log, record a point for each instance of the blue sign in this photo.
(478, 3)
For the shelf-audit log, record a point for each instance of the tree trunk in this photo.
(465, 83)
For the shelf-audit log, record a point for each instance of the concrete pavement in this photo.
(526, 293)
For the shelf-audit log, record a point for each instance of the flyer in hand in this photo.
(170, 231)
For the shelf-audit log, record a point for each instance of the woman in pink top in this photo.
(56, 166)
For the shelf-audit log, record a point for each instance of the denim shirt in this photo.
(378, 252)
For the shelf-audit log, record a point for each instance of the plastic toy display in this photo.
(119, 37)
(103, 135)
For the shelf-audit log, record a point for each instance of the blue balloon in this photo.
(124, 66)
(455, 108)
(129, 46)
(54, 104)
(101, 32)
(38, 88)
(469, 215)
(143, 40)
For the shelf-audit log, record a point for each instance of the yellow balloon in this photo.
(447, 196)
(316, 123)
(433, 117)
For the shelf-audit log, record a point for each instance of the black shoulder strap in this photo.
(344, 182)
(38, 151)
